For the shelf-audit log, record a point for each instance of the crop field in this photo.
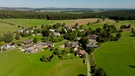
(117, 57)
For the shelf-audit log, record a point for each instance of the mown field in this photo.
(16, 63)
(117, 57)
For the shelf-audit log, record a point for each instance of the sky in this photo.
(69, 3)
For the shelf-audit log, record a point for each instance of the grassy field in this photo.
(5, 23)
(117, 57)
(111, 22)
(6, 27)
(16, 63)
(38, 22)
(71, 67)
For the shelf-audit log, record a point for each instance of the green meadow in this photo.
(117, 57)
(16, 63)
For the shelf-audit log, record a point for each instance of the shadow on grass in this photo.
(132, 35)
(81, 75)
(132, 66)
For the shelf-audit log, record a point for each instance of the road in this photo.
(88, 64)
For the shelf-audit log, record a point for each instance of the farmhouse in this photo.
(31, 48)
(48, 45)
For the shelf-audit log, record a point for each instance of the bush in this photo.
(46, 58)
(100, 72)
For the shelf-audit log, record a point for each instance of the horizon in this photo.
(68, 4)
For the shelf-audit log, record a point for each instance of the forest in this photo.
(111, 14)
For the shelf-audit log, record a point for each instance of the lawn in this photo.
(117, 57)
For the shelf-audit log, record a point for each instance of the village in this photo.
(30, 46)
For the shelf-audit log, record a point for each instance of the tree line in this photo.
(116, 15)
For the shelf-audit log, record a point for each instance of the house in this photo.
(75, 27)
(56, 33)
(73, 45)
(93, 36)
(52, 30)
(67, 27)
(30, 48)
(48, 45)
(78, 38)
(20, 31)
(80, 52)
(68, 44)
(82, 30)
(8, 46)
(91, 46)
(92, 41)
(27, 41)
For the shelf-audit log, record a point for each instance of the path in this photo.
(88, 65)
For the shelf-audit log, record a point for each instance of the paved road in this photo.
(88, 64)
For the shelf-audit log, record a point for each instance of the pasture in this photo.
(117, 57)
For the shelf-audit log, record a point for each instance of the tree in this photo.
(72, 50)
(2, 43)
(1, 38)
(57, 52)
(17, 37)
(118, 35)
(72, 36)
(44, 59)
(19, 43)
(90, 50)
(64, 52)
(8, 37)
(84, 41)
(63, 25)
(35, 40)
(46, 33)
(100, 72)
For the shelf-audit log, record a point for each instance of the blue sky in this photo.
(69, 3)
